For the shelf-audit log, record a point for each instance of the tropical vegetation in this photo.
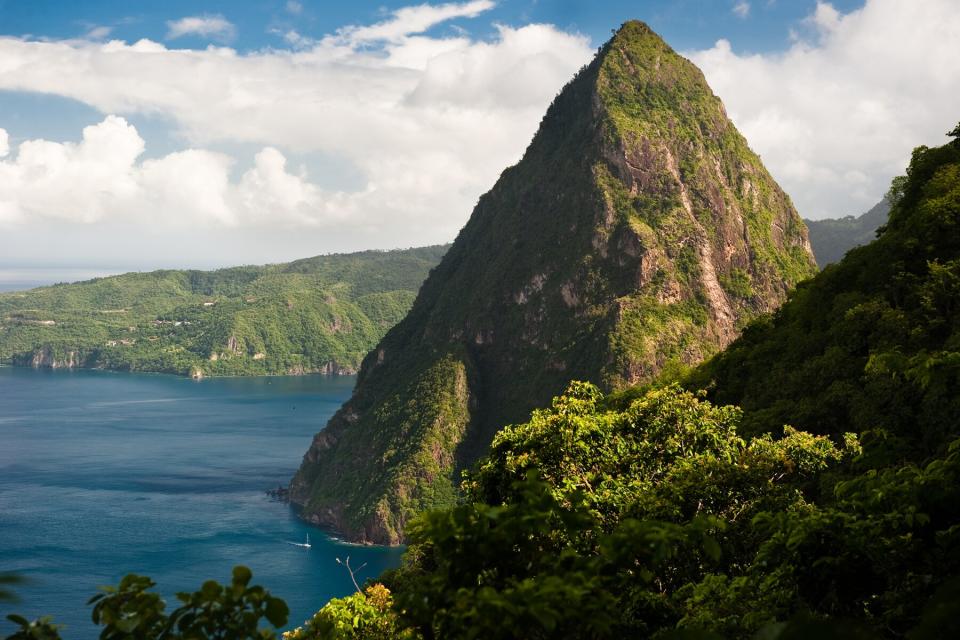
(320, 314)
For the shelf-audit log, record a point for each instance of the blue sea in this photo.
(103, 474)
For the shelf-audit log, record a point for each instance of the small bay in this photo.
(103, 474)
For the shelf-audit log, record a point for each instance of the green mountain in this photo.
(321, 314)
(831, 238)
(638, 232)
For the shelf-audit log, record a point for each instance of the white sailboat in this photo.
(305, 545)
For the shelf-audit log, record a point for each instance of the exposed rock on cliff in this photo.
(48, 358)
(638, 231)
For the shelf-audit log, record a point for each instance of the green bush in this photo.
(130, 611)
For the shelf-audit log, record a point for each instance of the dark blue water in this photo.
(103, 474)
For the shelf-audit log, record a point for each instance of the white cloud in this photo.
(102, 177)
(185, 187)
(835, 118)
(295, 39)
(98, 32)
(742, 9)
(411, 20)
(4, 143)
(215, 26)
(428, 123)
(294, 7)
(43, 174)
(825, 18)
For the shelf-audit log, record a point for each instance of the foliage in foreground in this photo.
(650, 520)
(364, 615)
(131, 611)
(655, 520)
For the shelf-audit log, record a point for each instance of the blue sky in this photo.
(149, 134)
(686, 24)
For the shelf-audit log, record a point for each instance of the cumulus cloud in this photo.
(75, 181)
(426, 122)
(102, 177)
(836, 115)
(215, 26)
(825, 18)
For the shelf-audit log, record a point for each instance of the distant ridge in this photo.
(316, 315)
(831, 238)
(638, 232)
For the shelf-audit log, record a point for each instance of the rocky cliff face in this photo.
(48, 358)
(637, 232)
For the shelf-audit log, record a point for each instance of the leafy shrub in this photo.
(130, 611)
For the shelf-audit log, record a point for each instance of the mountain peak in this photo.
(635, 32)
(636, 51)
(643, 80)
(638, 232)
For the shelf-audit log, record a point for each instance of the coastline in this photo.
(339, 537)
(335, 373)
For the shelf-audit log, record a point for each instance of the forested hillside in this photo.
(321, 314)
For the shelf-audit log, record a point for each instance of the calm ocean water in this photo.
(103, 474)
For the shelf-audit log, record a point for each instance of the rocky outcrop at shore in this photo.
(48, 358)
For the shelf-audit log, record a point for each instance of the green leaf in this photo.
(210, 590)
(127, 624)
(242, 575)
(712, 548)
(277, 612)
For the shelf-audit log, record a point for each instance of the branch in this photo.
(351, 571)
